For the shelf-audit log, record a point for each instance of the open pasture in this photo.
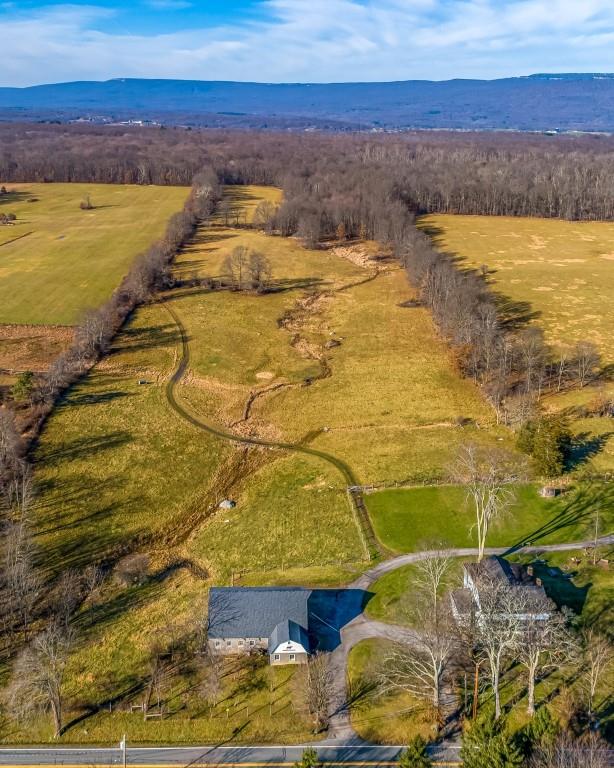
(406, 520)
(562, 270)
(57, 260)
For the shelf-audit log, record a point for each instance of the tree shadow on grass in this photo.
(88, 446)
(97, 398)
(153, 337)
(584, 447)
(576, 509)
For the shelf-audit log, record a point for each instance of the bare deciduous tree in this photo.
(598, 658)
(23, 584)
(236, 267)
(544, 642)
(499, 627)
(488, 475)
(567, 751)
(314, 683)
(587, 359)
(432, 571)
(38, 676)
(259, 271)
(418, 665)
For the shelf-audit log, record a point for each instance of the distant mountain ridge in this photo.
(548, 101)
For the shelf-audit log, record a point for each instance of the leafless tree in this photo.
(587, 360)
(23, 584)
(545, 641)
(418, 664)
(236, 267)
(209, 671)
(598, 658)
(264, 214)
(314, 681)
(567, 751)
(488, 475)
(38, 676)
(259, 271)
(68, 594)
(432, 571)
(499, 626)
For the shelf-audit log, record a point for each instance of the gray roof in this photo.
(287, 631)
(493, 569)
(255, 611)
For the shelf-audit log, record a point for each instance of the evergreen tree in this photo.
(548, 440)
(308, 760)
(415, 755)
(487, 745)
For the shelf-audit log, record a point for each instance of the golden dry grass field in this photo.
(564, 272)
(563, 269)
(57, 260)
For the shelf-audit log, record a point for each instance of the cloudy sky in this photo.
(302, 40)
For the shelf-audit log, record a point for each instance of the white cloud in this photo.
(320, 40)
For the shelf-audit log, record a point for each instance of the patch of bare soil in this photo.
(364, 255)
(32, 347)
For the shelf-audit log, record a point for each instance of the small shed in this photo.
(550, 491)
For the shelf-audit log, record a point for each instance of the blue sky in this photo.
(302, 40)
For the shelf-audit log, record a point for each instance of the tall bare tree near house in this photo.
(544, 642)
(38, 676)
(432, 571)
(598, 664)
(587, 360)
(499, 628)
(488, 475)
(313, 685)
(419, 663)
(209, 671)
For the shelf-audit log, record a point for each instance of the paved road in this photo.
(331, 753)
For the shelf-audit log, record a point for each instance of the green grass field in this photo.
(392, 719)
(407, 519)
(563, 269)
(58, 260)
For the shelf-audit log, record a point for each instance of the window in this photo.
(229, 643)
(292, 657)
(218, 643)
(241, 642)
(252, 642)
(276, 657)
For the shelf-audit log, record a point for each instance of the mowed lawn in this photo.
(58, 260)
(563, 269)
(407, 520)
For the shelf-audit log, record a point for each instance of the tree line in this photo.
(473, 173)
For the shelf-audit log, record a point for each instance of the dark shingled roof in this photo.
(255, 611)
(493, 569)
(286, 631)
